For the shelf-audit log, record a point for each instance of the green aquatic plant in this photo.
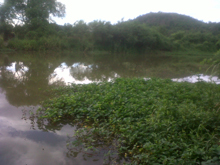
(214, 64)
(154, 122)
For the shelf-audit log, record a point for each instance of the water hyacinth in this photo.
(155, 121)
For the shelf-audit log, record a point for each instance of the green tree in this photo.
(82, 36)
(6, 17)
(34, 13)
(39, 12)
(101, 34)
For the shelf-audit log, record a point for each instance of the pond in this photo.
(26, 76)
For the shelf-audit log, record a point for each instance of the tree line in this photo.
(153, 31)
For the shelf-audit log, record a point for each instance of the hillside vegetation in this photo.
(149, 32)
(172, 22)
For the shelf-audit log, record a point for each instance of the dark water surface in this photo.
(25, 76)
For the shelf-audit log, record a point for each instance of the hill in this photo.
(172, 22)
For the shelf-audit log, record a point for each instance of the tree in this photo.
(34, 13)
(38, 12)
(101, 34)
(6, 17)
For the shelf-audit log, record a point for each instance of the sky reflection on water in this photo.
(197, 78)
(19, 144)
(21, 86)
(63, 73)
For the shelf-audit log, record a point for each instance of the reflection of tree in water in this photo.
(92, 72)
(87, 141)
(94, 143)
(104, 69)
(107, 68)
(24, 87)
(24, 82)
(12, 85)
(80, 71)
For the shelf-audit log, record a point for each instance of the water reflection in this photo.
(44, 73)
(69, 74)
(78, 73)
(18, 70)
(21, 145)
(23, 81)
(86, 142)
(197, 78)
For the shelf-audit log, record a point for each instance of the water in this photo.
(197, 78)
(22, 85)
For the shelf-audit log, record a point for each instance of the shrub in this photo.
(1, 41)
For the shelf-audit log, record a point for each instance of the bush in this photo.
(1, 42)
(27, 45)
(31, 35)
(206, 47)
(218, 53)
(43, 43)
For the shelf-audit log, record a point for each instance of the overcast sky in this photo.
(115, 10)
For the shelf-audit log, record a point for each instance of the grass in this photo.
(155, 122)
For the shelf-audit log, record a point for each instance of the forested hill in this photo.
(172, 21)
(168, 19)
(168, 23)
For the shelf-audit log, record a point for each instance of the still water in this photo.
(26, 76)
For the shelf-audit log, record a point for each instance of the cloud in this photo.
(113, 11)
(18, 151)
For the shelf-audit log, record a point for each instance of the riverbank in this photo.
(154, 121)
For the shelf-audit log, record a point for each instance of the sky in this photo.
(115, 10)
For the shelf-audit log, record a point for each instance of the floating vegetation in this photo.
(157, 121)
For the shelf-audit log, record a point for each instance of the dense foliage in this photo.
(31, 15)
(154, 121)
(153, 31)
